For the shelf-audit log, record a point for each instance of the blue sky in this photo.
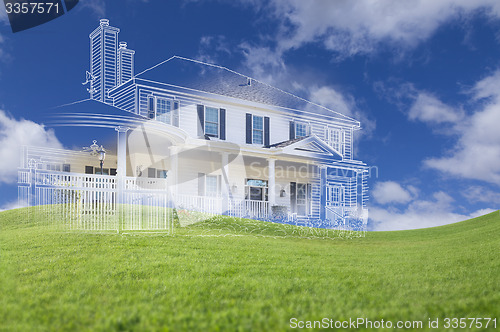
(423, 77)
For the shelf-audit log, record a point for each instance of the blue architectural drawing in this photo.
(212, 141)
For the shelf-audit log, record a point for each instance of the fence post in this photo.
(121, 172)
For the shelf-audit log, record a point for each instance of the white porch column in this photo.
(121, 167)
(271, 184)
(225, 191)
(174, 172)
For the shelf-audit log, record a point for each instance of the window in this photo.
(66, 168)
(53, 167)
(300, 129)
(256, 190)
(211, 185)
(151, 172)
(335, 195)
(161, 174)
(105, 171)
(335, 138)
(257, 129)
(212, 121)
(89, 169)
(163, 110)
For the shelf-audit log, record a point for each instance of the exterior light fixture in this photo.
(282, 193)
(96, 150)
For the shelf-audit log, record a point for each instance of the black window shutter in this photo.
(293, 196)
(266, 131)
(292, 130)
(175, 120)
(249, 128)
(151, 107)
(201, 120)
(222, 127)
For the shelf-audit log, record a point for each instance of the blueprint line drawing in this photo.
(196, 141)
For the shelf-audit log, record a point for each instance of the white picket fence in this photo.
(96, 203)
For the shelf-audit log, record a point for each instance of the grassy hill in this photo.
(121, 282)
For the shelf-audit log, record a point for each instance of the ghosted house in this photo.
(216, 140)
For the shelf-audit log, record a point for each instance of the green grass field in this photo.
(123, 282)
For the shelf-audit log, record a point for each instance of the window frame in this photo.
(306, 129)
(257, 130)
(338, 143)
(217, 111)
(170, 102)
(168, 106)
(216, 181)
(264, 189)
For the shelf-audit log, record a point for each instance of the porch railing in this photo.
(206, 204)
(249, 209)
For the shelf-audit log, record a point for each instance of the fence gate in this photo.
(96, 202)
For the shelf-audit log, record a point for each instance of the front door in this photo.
(300, 198)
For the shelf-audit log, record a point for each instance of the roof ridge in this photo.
(246, 76)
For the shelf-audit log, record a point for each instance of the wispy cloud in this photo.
(16, 133)
(353, 27)
(213, 48)
(390, 192)
(97, 7)
(476, 154)
(401, 208)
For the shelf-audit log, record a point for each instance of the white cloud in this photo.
(351, 27)
(98, 7)
(343, 103)
(266, 65)
(387, 192)
(481, 194)
(212, 47)
(432, 212)
(16, 133)
(477, 152)
(427, 108)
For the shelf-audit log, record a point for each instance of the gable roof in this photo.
(310, 146)
(222, 81)
(286, 143)
(93, 113)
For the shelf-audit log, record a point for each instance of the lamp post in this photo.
(96, 150)
(102, 156)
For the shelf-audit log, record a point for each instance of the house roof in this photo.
(222, 81)
(286, 143)
(93, 113)
(310, 147)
